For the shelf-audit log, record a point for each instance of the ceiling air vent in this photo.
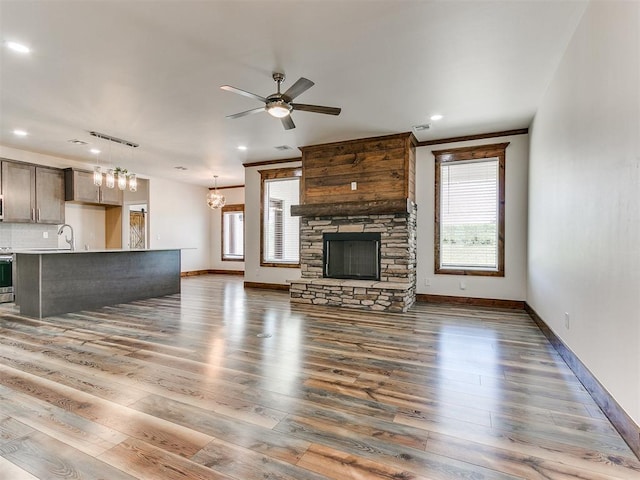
(421, 128)
(283, 147)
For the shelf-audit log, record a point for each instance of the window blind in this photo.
(469, 214)
(233, 241)
(281, 230)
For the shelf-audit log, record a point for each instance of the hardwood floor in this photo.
(220, 382)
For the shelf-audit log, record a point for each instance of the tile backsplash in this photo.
(28, 235)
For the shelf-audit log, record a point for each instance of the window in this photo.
(280, 232)
(233, 233)
(469, 210)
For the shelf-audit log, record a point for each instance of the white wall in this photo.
(584, 216)
(513, 286)
(179, 218)
(88, 226)
(253, 272)
(234, 196)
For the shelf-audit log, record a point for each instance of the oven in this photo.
(6, 278)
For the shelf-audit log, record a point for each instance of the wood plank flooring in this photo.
(187, 387)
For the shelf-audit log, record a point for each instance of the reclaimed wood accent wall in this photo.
(382, 167)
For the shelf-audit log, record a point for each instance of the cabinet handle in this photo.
(33, 214)
(38, 216)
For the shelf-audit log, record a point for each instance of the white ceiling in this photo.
(150, 72)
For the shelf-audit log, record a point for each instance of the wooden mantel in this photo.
(377, 207)
(358, 177)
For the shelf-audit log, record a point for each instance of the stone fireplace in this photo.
(358, 245)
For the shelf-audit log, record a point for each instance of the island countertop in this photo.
(48, 251)
(53, 282)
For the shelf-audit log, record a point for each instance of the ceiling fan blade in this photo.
(316, 109)
(229, 88)
(287, 122)
(301, 86)
(248, 112)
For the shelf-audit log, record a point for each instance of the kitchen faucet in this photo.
(71, 241)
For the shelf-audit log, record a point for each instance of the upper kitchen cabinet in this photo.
(32, 194)
(49, 195)
(79, 187)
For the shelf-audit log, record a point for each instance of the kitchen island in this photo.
(53, 282)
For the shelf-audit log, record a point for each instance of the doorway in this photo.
(137, 227)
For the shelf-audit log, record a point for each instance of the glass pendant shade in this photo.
(133, 182)
(214, 198)
(122, 180)
(97, 176)
(110, 179)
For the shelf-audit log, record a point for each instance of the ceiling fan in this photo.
(280, 105)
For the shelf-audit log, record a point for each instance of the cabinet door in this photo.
(110, 196)
(19, 190)
(79, 187)
(49, 195)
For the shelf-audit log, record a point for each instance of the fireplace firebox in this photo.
(351, 255)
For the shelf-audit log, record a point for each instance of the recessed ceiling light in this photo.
(18, 47)
(436, 117)
(20, 133)
(421, 128)
(283, 147)
(242, 147)
(95, 151)
(181, 168)
(75, 141)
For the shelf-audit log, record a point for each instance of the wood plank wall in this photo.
(383, 167)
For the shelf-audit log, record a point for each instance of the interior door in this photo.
(137, 230)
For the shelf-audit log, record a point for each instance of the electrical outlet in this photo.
(566, 320)
(45, 234)
(354, 185)
(463, 286)
(427, 282)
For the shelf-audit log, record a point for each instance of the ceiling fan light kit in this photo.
(280, 105)
(278, 108)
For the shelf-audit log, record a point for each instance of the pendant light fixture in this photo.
(97, 170)
(110, 178)
(118, 176)
(97, 176)
(214, 198)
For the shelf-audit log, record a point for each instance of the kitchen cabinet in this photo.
(79, 187)
(32, 194)
(49, 195)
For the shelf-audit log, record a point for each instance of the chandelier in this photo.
(214, 198)
(118, 176)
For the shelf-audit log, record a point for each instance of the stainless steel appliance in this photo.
(1, 207)
(6, 278)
